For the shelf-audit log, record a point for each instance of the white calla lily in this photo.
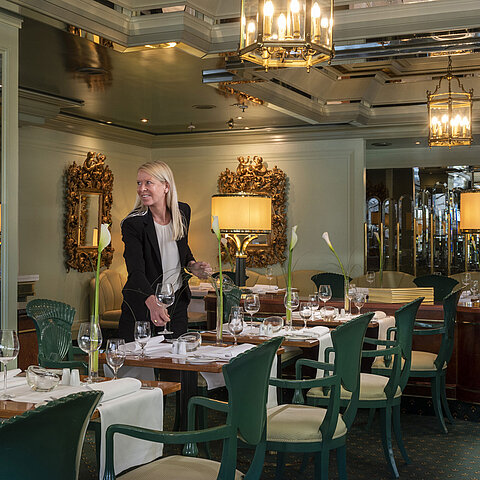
(294, 239)
(105, 237)
(216, 228)
(327, 239)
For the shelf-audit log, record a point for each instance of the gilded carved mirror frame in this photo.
(253, 176)
(92, 179)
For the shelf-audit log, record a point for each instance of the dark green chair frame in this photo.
(53, 324)
(335, 280)
(347, 342)
(442, 286)
(246, 379)
(46, 443)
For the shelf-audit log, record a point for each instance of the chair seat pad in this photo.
(371, 388)
(290, 352)
(179, 468)
(421, 361)
(299, 424)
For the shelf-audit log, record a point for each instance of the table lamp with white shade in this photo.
(242, 217)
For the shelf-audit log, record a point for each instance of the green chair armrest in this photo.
(423, 325)
(386, 352)
(390, 331)
(308, 362)
(304, 384)
(430, 331)
(376, 341)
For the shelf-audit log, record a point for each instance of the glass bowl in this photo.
(192, 340)
(329, 313)
(40, 379)
(275, 322)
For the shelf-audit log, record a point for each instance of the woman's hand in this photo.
(200, 269)
(158, 313)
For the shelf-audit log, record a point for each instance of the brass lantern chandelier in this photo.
(286, 33)
(450, 113)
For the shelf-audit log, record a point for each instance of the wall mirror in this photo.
(88, 200)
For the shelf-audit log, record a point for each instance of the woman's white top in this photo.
(169, 253)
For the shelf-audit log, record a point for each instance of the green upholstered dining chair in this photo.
(434, 365)
(53, 324)
(380, 392)
(46, 443)
(442, 285)
(299, 428)
(246, 379)
(335, 280)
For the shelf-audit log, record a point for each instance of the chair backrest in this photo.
(246, 379)
(231, 298)
(335, 280)
(442, 285)
(449, 314)
(54, 434)
(110, 295)
(390, 279)
(347, 340)
(404, 323)
(53, 324)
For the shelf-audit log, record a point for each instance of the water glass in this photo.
(466, 279)
(89, 339)
(142, 334)
(474, 288)
(305, 313)
(235, 326)
(165, 295)
(313, 300)
(351, 293)
(251, 304)
(269, 273)
(291, 305)
(359, 301)
(370, 277)
(115, 354)
(9, 348)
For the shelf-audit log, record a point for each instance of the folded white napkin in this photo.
(116, 388)
(259, 288)
(10, 373)
(316, 315)
(318, 331)
(154, 343)
(379, 315)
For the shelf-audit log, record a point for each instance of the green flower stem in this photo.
(289, 287)
(220, 299)
(341, 265)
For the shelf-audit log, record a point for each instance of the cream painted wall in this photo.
(326, 192)
(44, 157)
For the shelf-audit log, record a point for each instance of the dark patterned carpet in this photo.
(434, 455)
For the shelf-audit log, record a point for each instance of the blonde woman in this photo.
(155, 235)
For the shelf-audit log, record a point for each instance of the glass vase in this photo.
(346, 301)
(219, 325)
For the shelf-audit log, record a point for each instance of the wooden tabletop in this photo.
(10, 408)
(257, 340)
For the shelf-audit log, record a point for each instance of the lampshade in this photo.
(243, 212)
(286, 33)
(470, 211)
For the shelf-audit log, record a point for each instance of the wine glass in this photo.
(466, 279)
(370, 277)
(269, 273)
(291, 305)
(474, 289)
(251, 304)
(305, 312)
(351, 292)
(359, 301)
(165, 295)
(235, 326)
(9, 348)
(313, 299)
(142, 335)
(115, 354)
(324, 293)
(90, 340)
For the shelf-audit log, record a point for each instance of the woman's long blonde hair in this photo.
(162, 172)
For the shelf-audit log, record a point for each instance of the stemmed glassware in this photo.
(466, 279)
(313, 299)
(359, 301)
(324, 293)
(142, 334)
(351, 293)
(251, 304)
(291, 305)
(269, 273)
(90, 340)
(305, 312)
(235, 326)
(9, 348)
(370, 277)
(165, 295)
(474, 289)
(115, 354)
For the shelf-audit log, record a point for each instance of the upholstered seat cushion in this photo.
(371, 388)
(421, 361)
(290, 352)
(298, 423)
(178, 468)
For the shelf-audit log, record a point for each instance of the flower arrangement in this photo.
(380, 248)
(293, 242)
(105, 239)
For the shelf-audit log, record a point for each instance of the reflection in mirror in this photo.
(90, 219)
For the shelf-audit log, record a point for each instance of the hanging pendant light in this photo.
(286, 33)
(450, 113)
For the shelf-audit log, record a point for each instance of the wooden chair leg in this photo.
(437, 403)
(342, 462)
(386, 434)
(443, 393)
(398, 433)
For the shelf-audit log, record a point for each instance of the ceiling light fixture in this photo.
(286, 33)
(449, 113)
